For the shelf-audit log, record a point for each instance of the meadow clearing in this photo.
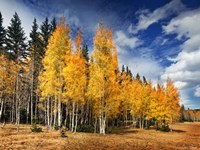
(185, 136)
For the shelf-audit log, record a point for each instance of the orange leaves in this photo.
(75, 75)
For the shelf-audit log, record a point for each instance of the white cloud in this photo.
(8, 8)
(147, 18)
(185, 71)
(123, 40)
(197, 91)
(137, 63)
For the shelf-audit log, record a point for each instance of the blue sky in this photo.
(155, 38)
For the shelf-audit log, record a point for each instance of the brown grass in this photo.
(185, 136)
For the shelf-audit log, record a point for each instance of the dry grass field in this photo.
(186, 136)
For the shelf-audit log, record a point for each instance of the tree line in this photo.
(52, 79)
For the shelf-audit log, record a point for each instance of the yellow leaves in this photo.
(75, 74)
(58, 49)
(8, 72)
(103, 86)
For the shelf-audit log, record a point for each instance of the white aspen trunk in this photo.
(36, 108)
(66, 116)
(17, 104)
(76, 118)
(70, 120)
(73, 111)
(18, 118)
(100, 124)
(48, 119)
(45, 112)
(55, 112)
(27, 110)
(104, 125)
(59, 111)
(51, 120)
(95, 125)
(59, 97)
(1, 107)
(32, 95)
(13, 108)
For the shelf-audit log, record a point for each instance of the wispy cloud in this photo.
(147, 18)
(185, 71)
(197, 91)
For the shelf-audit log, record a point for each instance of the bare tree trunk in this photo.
(70, 119)
(31, 98)
(48, 116)
(76, 118)
(51, 120)
(59, 111)
(36, 108)
(95, 125)
(45, 112)
(102, 123)
(13, 108)
(66, 116)
(1, 107)
(73, 111)
(55, 112)
(27, 110)
(17, 104)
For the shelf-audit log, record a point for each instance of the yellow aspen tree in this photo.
(136, 99)
(172, 99)
(75, 80)
(103, 88)
(126, 91)
(158, 106)
(147, 101)
(51, 78)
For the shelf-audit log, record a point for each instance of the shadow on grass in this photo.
(178, 131)
(122, 131)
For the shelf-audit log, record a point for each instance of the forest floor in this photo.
(185, 136)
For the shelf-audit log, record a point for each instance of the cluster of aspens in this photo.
(70, 90)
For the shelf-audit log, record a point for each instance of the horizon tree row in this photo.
(50, 81)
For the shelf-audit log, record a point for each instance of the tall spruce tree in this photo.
(45, 34)
(35, 65)
(16, 48)
(2, 35)
(85, 52)
(53, 25)
(15, 41)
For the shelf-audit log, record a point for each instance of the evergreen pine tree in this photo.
(53, 25)
(123, 68)
(15, 41)
(85, 52)
(36, 62)
(2, 35)
(45, 34)
(144, 80)
(137, 77)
